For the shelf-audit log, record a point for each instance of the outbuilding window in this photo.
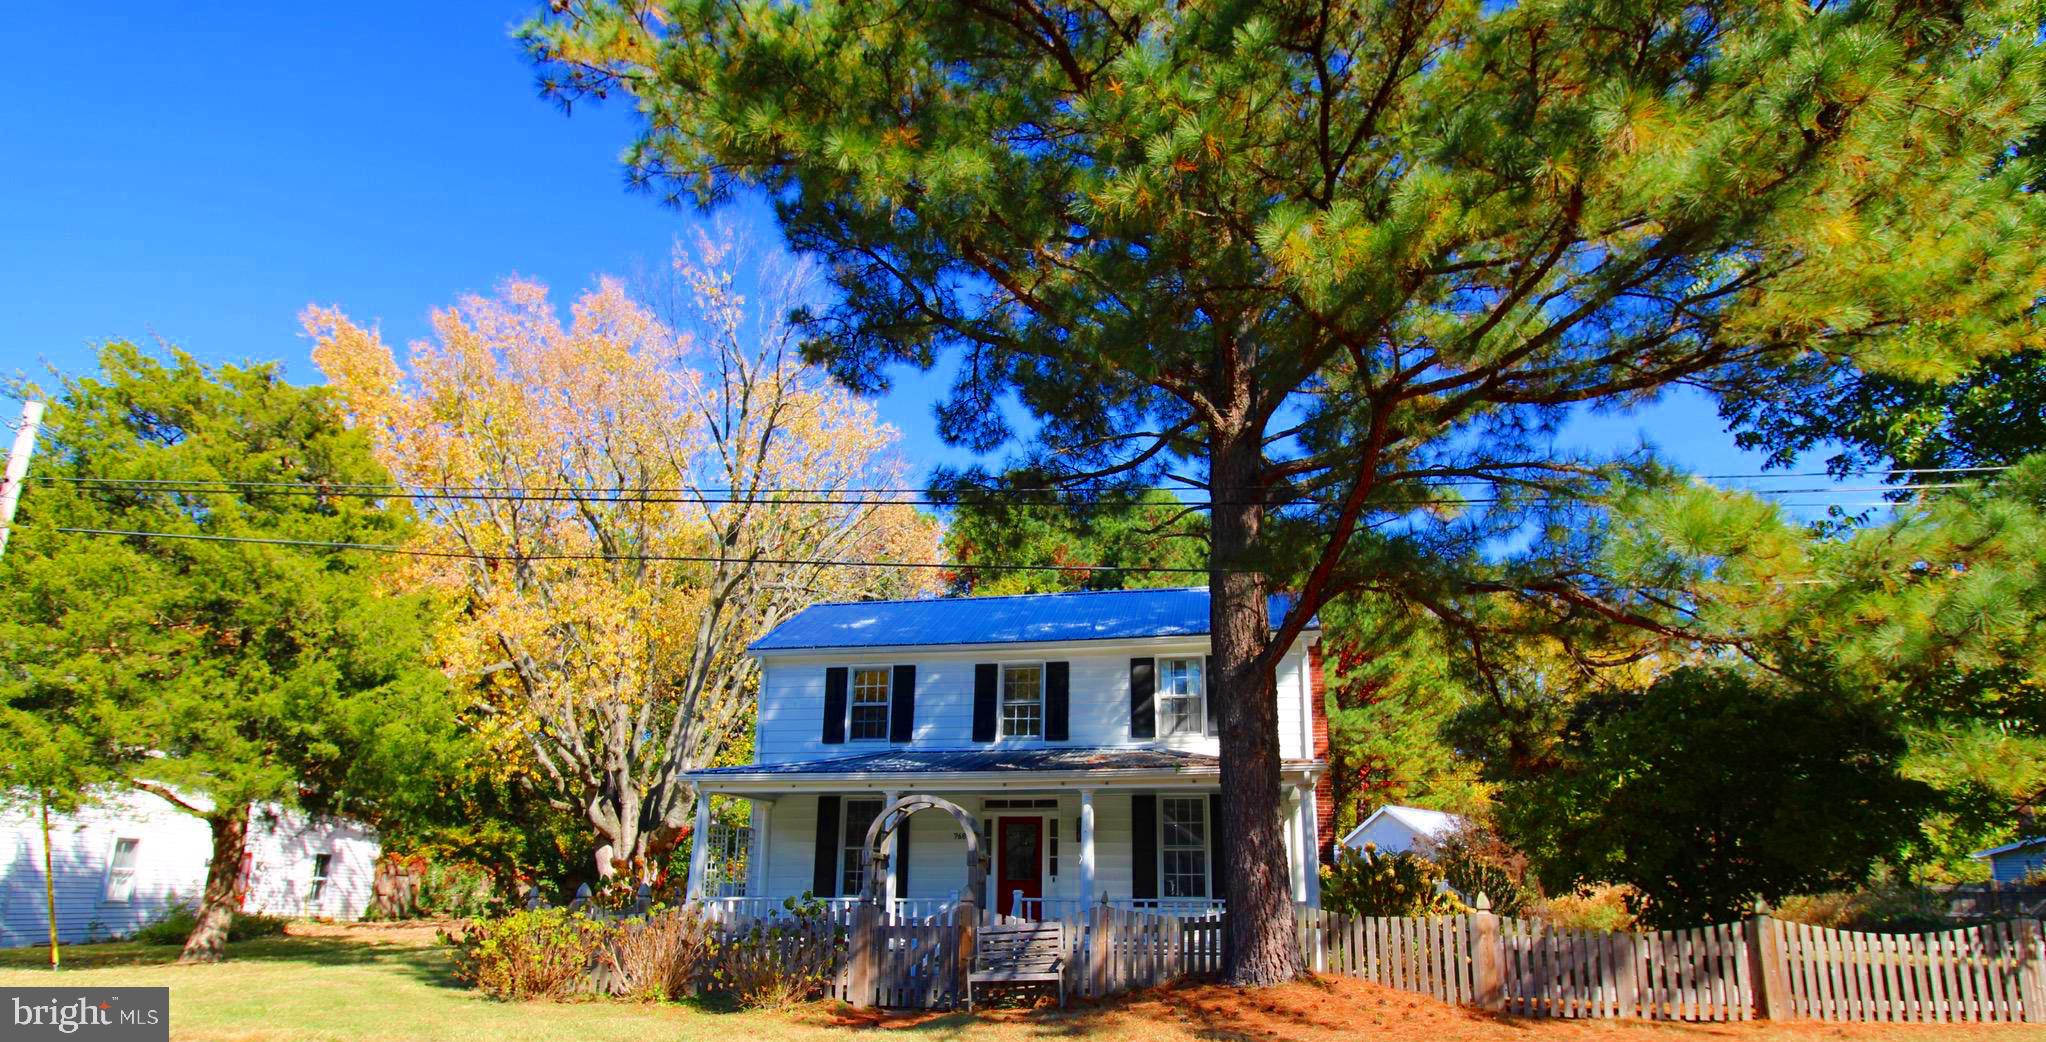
(322, 863)
(121, 869)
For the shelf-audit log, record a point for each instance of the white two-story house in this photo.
(1078, 729)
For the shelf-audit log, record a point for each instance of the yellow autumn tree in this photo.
(621, 504)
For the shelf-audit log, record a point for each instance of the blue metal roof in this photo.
(1030, 618)
(2008, 847)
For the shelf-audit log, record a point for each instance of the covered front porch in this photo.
(1060, 829)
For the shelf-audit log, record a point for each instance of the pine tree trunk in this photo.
(1259, 942)
(208, 942)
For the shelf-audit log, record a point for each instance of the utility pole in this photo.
(17, 466)
(49, 880)
(10, 496)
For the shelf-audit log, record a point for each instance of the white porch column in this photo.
(1310, 835)
(1086, 849)
(699, 847)
(756, 855)
(1295, 862)
(891, 885)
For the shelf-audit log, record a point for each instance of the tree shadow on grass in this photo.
(427, 963)
(424, 962)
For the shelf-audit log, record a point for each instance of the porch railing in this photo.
(1076, 908)
(936, 911)
(907, 911)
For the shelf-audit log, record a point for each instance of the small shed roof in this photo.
(2023, 844)
(1429, 824)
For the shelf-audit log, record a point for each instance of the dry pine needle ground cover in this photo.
(386, 983)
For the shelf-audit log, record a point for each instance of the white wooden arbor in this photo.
(867, 923)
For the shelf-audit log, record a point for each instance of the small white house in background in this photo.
(1394, 829)
(128, 859)
(2015, 862)
(305, 867)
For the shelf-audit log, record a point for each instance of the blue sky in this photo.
(200, 172)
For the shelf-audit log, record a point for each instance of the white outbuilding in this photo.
(130, 857)
(1394, 829)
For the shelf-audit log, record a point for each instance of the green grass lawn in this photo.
(368, 988)
(382, 984)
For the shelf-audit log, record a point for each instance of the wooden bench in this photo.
(1019, 953)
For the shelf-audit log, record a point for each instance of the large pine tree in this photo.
(1336, 263)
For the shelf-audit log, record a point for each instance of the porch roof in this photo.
(1003, 767)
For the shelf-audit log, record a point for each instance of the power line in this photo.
(413, 551)
(694, 494)
(623, 496)
(956, 566)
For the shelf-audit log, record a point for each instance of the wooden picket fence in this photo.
(1119, 949)
(1738, 971)
(1983, 973)
(1432, 956)
(1699, 974)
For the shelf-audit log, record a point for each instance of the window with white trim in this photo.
(870, 704)
(1183, 846)
(859, 815)
(121, 869)
(1023, 701)
(1181, 685)
(322, 863)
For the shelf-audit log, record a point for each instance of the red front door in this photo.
(1019, 845)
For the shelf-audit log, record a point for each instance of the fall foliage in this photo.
(556, 461)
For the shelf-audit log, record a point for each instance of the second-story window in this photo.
(1022, 701)
(869, 704)
(1180, 689)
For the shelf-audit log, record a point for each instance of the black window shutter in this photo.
(985, 677)
(1057, 697)
(901, 859)
(1143, 684)
(824, 876)
(1208, 693)
(1144, 858)
(1216, 851)
(834, 705)
(902, 704)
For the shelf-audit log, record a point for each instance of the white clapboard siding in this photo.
(171, 854)
(791, 700)
(283, 848)
(171, 851)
